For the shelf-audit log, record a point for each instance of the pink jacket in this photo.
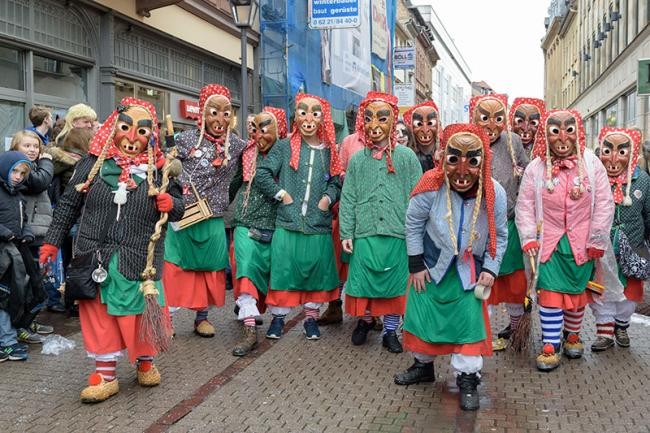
(349, 146)
(586, 221)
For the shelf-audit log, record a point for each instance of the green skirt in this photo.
(513, 259)
(122, 296)
(378, 268)
(200, 247)
(253, 259)
(562, 274)
(445, 313)
(302, 262)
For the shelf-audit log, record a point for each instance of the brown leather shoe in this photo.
(248, 342)
(98, 389)
(333, 314)
(149, 378)
(204, 329)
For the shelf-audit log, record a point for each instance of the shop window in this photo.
(13, 115)
(123, 90)
(11, 69)
(156, 97)
(630, 109)
(58, 78)
(611, 115)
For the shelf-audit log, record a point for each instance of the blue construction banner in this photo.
(333, 14)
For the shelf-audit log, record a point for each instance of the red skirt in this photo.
(244, 285)
(341, 267)
(374, 306)
(479, 348)
(564, 301)
(195, 290)
(634, 290)
(293, 298)
(104, 334)
(509, 288)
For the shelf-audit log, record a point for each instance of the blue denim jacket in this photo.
(427, 232)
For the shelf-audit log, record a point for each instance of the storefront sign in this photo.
(643, 80)
(189, 109)
(405, 93)
(333, 14)
(404, 58)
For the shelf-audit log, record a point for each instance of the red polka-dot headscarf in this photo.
(250, 153)
(539, 103)
(625, 178)
(103, 148)
(326, 134)
(359, 126)
(433, 179)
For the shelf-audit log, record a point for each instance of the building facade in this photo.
(451, 79)
(58, 53)
(592, 49)
(340, 65)
(412, 31)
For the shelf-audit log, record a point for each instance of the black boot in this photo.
(505, 333)
(391, 342)
(360, 333)
(467, 385)
(418, 372)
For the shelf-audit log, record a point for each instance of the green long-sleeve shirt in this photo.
(307, 186)
(374, 201)
(260, 210)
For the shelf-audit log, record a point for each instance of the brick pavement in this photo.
(327, 386)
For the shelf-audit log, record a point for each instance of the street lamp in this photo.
(243, 12)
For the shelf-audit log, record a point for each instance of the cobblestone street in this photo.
(295, 386)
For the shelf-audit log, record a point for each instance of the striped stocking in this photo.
(605, 330)
(573, 320)
(552, 319)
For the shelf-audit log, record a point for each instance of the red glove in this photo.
(595, 253)
(530, 245)
(164, 202)
(47, 254)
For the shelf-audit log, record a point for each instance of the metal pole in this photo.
(244, 85)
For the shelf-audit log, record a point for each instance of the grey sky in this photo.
(500, 41)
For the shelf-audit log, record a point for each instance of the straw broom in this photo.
(156, 328)
(521, 335)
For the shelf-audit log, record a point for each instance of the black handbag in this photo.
(79, 281)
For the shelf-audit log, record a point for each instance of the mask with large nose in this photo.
(463, 161)
(490, 114)
(133, 130)
(525, 123)
(266, 130)
(615, 153)
(378, 122)
(218, 115)
(562, 134)
(425, 125)
(309, 116)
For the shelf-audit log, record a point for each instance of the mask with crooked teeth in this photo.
(562, 134)
(615, 153)
(425, 125)
(218, 115)
(463, 161)
(266, 130)
(490, 114)
(309, 116)
(133, 130)
(525, 123)
(378, 122)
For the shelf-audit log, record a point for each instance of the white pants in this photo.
(460, 363)
(612, 311)
(283, 311)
